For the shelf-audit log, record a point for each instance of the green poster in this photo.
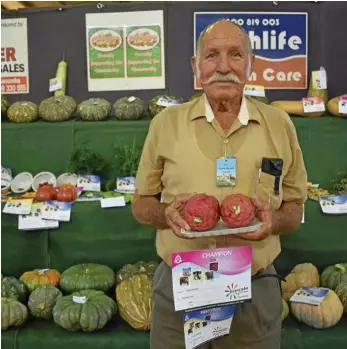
(106, 52)
(143, 48)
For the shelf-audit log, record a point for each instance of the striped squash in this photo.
(13, 313)
(94, 109)
(129, 108)
(341, 291)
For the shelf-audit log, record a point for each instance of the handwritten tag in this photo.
(78, 299)
(313, 104)
(254, 90)
(343, 105)
(319, 79)
(54, 85)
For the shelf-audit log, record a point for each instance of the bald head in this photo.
(222, 30)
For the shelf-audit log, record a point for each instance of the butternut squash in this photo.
(295, 108)
(333, 107)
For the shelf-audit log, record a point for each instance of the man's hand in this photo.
(173, 214)
(267, 216)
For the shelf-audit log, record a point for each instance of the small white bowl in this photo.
(5, 187)
(44, 177)
(22, 182)
(67, 178)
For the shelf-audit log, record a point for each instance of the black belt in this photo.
(262, 274)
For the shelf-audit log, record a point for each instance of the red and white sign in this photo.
(14, 56)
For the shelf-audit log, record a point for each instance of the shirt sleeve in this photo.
(294, 183)
(150, 170)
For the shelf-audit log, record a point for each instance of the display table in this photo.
(113, 237)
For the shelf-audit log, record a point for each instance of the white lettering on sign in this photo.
(216, 254)
(274, 41)
(269, 74)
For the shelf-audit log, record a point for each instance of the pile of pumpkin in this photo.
(85, 297)
(329, 312)
(61, 108)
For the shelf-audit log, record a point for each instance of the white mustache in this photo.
(218, 77)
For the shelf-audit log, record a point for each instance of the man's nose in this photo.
(223, 65)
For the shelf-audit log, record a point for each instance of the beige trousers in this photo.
(256, 325)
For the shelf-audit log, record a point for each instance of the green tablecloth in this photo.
(113, 237)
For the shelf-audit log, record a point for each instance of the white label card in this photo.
(313, 104)
(343, 105)
(204, 325)
(43, 270)
(309, 295)
(131, 99)
(319, 79)
(254, 90)
(78, 299)
(54, 85)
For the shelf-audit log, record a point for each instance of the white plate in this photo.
(146, 32)
(43, 177)
(104, 37)
(67, 178)
(222, 229)
(22, 182)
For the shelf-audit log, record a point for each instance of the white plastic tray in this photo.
(222, 229)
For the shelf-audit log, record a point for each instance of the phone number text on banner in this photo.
(279, 42)
(14, 56)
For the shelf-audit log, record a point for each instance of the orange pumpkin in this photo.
(38, 277)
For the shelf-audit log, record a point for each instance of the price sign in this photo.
(313, 104)
(54, 85)
(343, 105)
(254, 90)
(319, 79)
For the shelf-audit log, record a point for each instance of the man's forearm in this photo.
(288, 217)
(148, 210)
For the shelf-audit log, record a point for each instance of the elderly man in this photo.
(179, 159)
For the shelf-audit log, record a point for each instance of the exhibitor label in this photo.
(211, 277)
(144, 58)
(14, 56)
(279, 41)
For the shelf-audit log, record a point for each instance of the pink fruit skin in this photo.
(202, 212)
(237, 210)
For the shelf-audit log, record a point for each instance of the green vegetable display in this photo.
(89, 276)
(42, 300)
(22, 112)
(13, 313)
(13, 288)
(57, 108)
(141, 267)
(154, 108)
(4, 105)
(94, 109)
(333, 275)
(129, 108)
(87, 311)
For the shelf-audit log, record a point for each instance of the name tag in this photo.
(226, 172)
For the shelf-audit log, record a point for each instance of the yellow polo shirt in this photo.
(180, 153)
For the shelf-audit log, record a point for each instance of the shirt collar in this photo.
(248, 110)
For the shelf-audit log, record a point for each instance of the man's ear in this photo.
(193, 63)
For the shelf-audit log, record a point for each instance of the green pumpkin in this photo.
(22, 112)
(196, 95)
(94, 109)
(87, 311)
(13, 288)
(57, 108)
(89, 276)
(285, 310)
(4, 105)
(13, 313)
(141, 267)
(42, 300)
(154, 108)
(129, 108)
(333, 275)
(341, 291)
